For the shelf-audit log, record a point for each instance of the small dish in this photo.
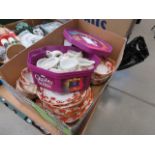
(74, 54)
(57, 98)
(104, 68)
(47, 63)
(68, 64)
(77, 115)
(55, 53)
(85, 62)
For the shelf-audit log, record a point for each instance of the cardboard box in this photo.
(122, 27)
(10, 72)
(31, 22)
(16, 49)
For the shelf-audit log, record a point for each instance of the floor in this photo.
(12, 124)
(128, 104)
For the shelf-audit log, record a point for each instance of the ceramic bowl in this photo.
(103, 72)
(105, 68)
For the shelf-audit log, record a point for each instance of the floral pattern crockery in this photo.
(76, 115)
(70, 114)
(69, 110)
(57, 98)
(26, 76)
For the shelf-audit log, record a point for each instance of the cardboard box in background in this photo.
(10, 72)
(16, 49)
(31, 22)
(122, 27)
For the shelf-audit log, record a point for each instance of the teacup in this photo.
(55, 53)
(47, 63)
(75, 54)
(69, 64)
(85, 63)
(102, 69)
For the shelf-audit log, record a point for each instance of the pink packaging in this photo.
(60, 82)
(88, 43)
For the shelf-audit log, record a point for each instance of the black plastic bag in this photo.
(135, 52)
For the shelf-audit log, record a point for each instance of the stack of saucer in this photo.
(67, 107)
(103, 71)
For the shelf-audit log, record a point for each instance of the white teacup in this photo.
(85, 63)
(47, 63)
(55, 53)
(69, 64)
(102, 69)
(73, 54)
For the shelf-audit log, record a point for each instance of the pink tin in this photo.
(88, 43)
(60, 82)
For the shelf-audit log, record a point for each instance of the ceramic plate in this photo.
(73, 104)
(79, 114)
(58, 99)
(69, 112)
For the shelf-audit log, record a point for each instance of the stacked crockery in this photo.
(71, 106)
(68, 107)
(25, 84)
(103, 71)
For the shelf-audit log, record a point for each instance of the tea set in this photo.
(59, 62)
(72, 70)
(103, 71)
(67, 107)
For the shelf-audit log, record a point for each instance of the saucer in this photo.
(79, 114)
(56, 98)
(104, 68)
(68, 111)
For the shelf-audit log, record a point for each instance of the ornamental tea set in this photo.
(58, 78)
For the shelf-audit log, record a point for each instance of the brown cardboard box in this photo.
(16, 49)
(31, 22)
(122, 27)
(10, 72)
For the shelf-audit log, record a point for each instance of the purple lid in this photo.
(87, 42)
